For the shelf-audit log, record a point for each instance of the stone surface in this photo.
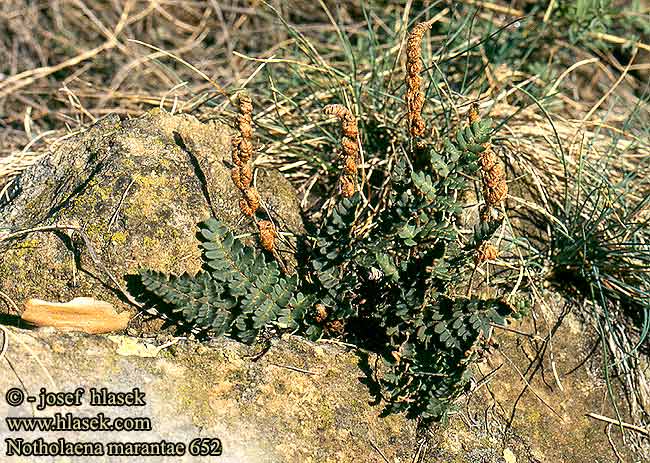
(305, 402)
(136, 189)
(300, 402)
(534, 407)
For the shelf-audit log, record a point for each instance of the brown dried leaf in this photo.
(80, 314)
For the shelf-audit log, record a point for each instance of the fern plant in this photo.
(394, 285)
(404, 274)
(388, 272)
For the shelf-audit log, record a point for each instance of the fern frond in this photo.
(197, 298)
(238, 292)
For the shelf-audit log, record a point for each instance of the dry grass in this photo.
(67, 63)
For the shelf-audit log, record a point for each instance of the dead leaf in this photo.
(80, 314)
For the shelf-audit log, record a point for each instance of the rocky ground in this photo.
(305, 402)
(127, 194)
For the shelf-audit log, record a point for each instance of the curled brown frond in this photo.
(495, 190)
(236, 177)
(250, 202)
(246, 175)
(267, 234)
(350, 166)
(349, 144)
(242, 152)
(348, 121)
(347, 186)
(236, 141)
(414, 95)
(335, 327)
(485, 252)
(473, 113)
(321, 313)
(245, 121)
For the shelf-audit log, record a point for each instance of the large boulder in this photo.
(120, 196)
(300, 402)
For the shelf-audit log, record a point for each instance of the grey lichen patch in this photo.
(136, 189)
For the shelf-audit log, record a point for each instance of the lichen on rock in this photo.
(135, 190)
(298, 403)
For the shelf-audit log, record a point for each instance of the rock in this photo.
(306, 402)
(136, 189)
(521, 414)
(298, 403)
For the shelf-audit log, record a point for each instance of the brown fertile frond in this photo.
(246, 175)
(347, 186)
(350, 166)
(321, 313)
(245, 120)
(236, 177)
(349, 144)
(236, 141)
(267, 234)
(485, 252)
(335, 327)
(495, 187)
(415, 96)
(473, 113)
(242, 152)
(250, 202)
(348, 121)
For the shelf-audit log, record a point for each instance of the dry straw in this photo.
(414, 95)
(349, 145)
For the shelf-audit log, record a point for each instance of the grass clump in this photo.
(589, 20)
(602, 248)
